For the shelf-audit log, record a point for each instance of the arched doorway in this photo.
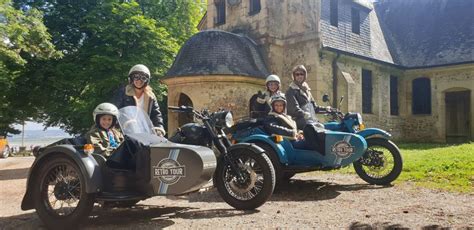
(458, 123)
(184, 118)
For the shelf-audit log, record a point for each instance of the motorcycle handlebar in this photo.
(181, 108)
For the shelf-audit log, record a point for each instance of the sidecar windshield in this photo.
(133, 120)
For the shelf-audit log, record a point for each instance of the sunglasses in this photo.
(140, 77)
(299, 74)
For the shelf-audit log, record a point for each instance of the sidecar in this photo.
(67, 177)
(336, 149)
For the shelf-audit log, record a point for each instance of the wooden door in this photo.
(458, 115)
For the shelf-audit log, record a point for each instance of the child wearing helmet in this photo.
(278, 122)
(261, 102)
(139, 93)
(104, 136)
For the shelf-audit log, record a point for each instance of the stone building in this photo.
(406, 65)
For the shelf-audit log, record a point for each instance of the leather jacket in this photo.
(280, 124)
(124, 96)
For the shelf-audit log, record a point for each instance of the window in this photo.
(333, 12)
(421, 96)
(220, 12)
(366, 91)
(254, 7)
(355, 15)
(393, 95)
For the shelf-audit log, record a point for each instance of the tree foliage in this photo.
(100, 41)
(23, 37)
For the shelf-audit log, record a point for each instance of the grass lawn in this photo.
(439, 166)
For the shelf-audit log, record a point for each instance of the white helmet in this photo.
(105, 109)
(139, 68)
(272, 77)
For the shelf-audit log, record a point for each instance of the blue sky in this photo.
(34, 126)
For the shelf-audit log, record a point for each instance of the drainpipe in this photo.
(334, 81)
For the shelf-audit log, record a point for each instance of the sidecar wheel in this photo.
(277, 166)
(258, 183)
(60, 194)
(381, 164)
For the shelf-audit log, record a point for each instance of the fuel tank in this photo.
(177, 168)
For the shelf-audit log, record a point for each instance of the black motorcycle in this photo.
(244, 175)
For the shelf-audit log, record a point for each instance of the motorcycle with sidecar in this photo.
(344, 141)
(244, 176)
(67, 177)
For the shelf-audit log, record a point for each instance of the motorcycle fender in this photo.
(248, 146)
(374, 132)
(86, 163)
(278, 148)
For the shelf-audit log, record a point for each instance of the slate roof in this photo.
(215, 52)
(423, 33)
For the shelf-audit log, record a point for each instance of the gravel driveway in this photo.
(321, 201)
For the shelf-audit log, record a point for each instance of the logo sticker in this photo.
(342, 149)
(169, 171)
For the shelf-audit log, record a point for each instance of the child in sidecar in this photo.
(104, 136)
(279, 123)
(121, 152)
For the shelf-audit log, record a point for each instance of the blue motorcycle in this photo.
(345, 141)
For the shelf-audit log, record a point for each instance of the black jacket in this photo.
(124, 97)
(277, 124)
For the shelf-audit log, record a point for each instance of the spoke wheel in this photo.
(251, 187)
(381, 163)
(60, 194)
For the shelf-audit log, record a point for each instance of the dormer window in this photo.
(220, 12)
(254, 7)
(333, 12)
(355, 16)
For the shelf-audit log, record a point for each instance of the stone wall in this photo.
(213, 92)
(352, 91)
(287, 32)
(443, 79)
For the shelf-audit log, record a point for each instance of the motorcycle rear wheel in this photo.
(258, 185)
(60, 194)
(381, 164)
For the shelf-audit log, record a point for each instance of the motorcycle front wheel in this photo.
(255, 184)
(60, 194)
(381, 164)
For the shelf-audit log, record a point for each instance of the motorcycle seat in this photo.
(247, 124)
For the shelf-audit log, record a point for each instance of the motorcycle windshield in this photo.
(309, 108)
(134, 120)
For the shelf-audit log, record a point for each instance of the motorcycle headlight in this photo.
(229, 120)
(223, 119)
(359, 119)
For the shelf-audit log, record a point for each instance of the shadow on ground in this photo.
(13, 174)
(391, 226)
(149, 215)
(293, 190)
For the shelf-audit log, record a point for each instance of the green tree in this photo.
(100, 41)
(23, 37)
